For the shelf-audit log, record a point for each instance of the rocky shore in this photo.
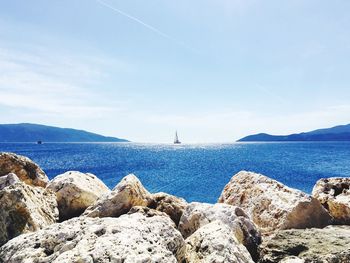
(76, 218)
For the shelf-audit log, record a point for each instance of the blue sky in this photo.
(213, 70)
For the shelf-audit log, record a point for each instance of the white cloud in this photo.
(58, 84)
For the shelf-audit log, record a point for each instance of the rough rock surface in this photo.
(292, 259)
(197, 215)
(75, 191)
(128, 193)
(215, 242)
(328, 245)
(334, 195)
(146, 211)
(171, 205)
(8, 180)
(26, 170)
(128, 239)
(272, 205)
(24, 208)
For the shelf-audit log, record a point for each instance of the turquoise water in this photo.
(194, 172)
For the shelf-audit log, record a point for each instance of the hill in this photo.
(337, 133)
(27, 132)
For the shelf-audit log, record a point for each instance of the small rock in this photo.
(171, 205)
(330, 244)
(215, 242)
(24, 208)
(128, 193)
(198, 215)
(8, 180)
(292, 259)
(26, 170)
(75, 191)
(146, 211)
(272, 205)
(334, 195)
(128, 239)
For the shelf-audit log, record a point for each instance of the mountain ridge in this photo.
(30, 132)
(336, 133)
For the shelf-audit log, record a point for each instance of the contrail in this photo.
(152, 28)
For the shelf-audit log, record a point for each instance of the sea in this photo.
(195, 172)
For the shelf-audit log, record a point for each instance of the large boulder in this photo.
(330, 244)
(334, 195)
(215, 242)
(272, 205)
(171, 205)
(75, 191)
(26, 170)
(128, 193)
(128, 239)
(198, 215)
(24, 208)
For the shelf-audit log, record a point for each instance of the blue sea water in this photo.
(194, 172)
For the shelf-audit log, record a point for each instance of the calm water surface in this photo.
(194, 172)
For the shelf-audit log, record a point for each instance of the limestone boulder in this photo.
(272, 205)
(26, 170)
(198, 215)
(75, 191)
(215, 242)
(171, 205)
(128, 193)
(329, 245)
(129, 238)
(334, 195)
(24, 208)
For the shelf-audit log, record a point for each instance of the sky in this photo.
(214, 70)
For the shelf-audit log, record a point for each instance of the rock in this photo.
(26, 170)
(146, 211)
(171, 205)
(128, 239)
(24, 208)
(272, 205)
(334, 195)
(8, 180)
(330, 244)
(75, 191)
(292, 259)
(215, 242)
(197, 215)
(128, 193)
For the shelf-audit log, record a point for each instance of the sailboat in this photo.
(176, 140)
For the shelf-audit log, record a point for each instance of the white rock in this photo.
(334, 195)
(75, 192)
(128, 239)
(292, 259)
(272, 205)
(128, 193)
(8, 180)
(24, 208)
(198, 215)
(215, 242)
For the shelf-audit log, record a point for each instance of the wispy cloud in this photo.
(52, 84)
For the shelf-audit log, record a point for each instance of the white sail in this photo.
(176, 140)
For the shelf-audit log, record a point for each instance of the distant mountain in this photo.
(337, 133)
(27, 132)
